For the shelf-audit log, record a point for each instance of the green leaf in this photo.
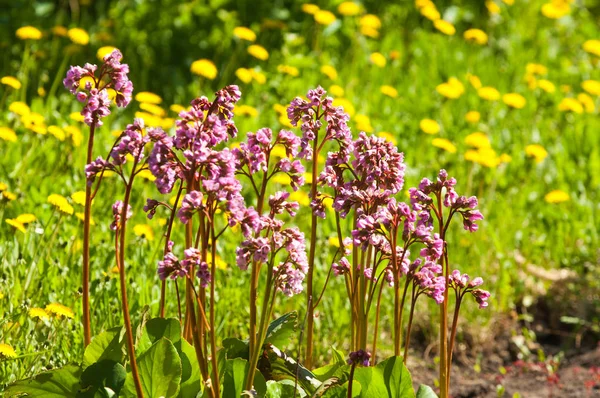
(389, 378)
(160, 371)
(425, 392)
(281, 329)
(283, 389)
(190, 370)
(101, 375)
(59, 383)
(236, 371)
(276, 365)
(107, 345)
(156, 328)
(236, 348)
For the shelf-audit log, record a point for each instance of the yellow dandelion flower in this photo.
(153, 109)
(3, 187)
(388, 136)
(8, 134)
(329, 71)
(536, 69)
(7, 351)
(592, 47)
(60, 31)
(79, 36)
(445, 27)
(148, 97)
(258, 52)
(282, 179)
(370, 32)
(177, 108)
(336, 91)
(20, 108)
(492, 7)
(149, 119)
(508, 2)
(258, 77)
(79, 197)
(430, 12)
(104, 51)
(205, 68)
(219, 262)
(378, 59)
(484, 156)
(57, 132)
(474, 81)
(11, 81)
(556, 196)
(26, 218)
(61, 203)
(478, 140)
(245, 110)
(76, 116)
(505, 158)
(349, 8)
(444, 144)
(514, 100)
(451, 89)
(556, 9)
(422, 3)
(324, 17)
(370, 20)
(546, 85)
(147, 175)
(591, 87)
(429, 126)
(488, 93)
(476, 36)
(16, 224)
(75, 134)
(281, 109)
(333, 241)
(38, 313)
(144, 231)
(59, 310)
(389, 91)
(473, 117)
(278, 151)
(301, 197)
(570, 105)
(288, 70)
(363, 123)
(243, 33)
(347, 105)
(311, 9)
(29, 33)
(9, 195)
(245, 75)
(537, 152)
(587, 102)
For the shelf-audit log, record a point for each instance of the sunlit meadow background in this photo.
(503, 94)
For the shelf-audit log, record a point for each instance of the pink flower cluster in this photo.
(463, 284)
(171, 267)
(117, 210)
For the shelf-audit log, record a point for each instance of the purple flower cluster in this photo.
(117, 210)
(462, 283)
(360, 357)
(171, 267)
(427, 277)
(94, 93)
(132, 142)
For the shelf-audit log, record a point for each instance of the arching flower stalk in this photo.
(95, 90)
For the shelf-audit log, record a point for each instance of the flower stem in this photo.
(213, 341)
(87, 331)
(453, 335)
(413, 302)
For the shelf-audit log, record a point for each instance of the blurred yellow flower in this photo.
(475, 81)
(429, 126)
(301, 197)
(29, 33)
(587, 102)
(81, 216)
(389, 91)
(60, 31)
(556, 9)
(452, 89)
(78, 117)
(336, 91)
(430, 12)
(492, 7)
(147, 175)
(7, 351)
(310, 8)
(508, 2)
(378, 59)
(349, 8)
(3, 187)
(363, 123)
(556, 196)
(79, 197)
(473, 117)
(9, 195)
(38, 313)
(79, 36)
(16, 224)
(61, 203)
(177, 108)
(258, 77)
(35, 122)
(245, 75)
(347, 105)
(444, 144)
(546, 85)
(537, 152)
(57, 132)
(288, 70)
(204, 67)
(476, 35)
(370, 20)
(505, 158)
(245, 110)
(514, 100)
(329, 71)
(104, 51)
(75, 134)
(8, 134)
(20, 108)
(241, 32)
(153, 109)
(219, 262)
(148, 97)
(144, 231)
(592, 47)
(59, 310)
(41, 91)
(11, 81)
(444, 26)
(282, 179)
(591, 86)
(370, 32)
(484, 156)
(388, 136)
(324, 17)
(536, 69)
(422, 3)
(478, 140)
(258, 52)
(570, 105)
(488, 93)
